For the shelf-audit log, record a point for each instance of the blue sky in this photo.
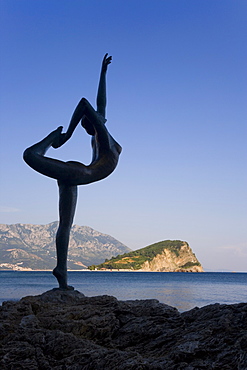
(176, 104)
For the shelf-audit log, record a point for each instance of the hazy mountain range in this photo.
(26, 246)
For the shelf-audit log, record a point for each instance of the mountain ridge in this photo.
(32, 247)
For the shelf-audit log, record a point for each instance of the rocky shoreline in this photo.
(65, 330)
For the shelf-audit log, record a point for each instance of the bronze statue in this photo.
(70, 174)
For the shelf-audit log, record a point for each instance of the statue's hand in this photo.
(106, 61)
(59, 140)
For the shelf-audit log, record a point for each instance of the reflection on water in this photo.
(180, 298)
(181, 290)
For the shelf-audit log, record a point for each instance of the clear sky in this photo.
(176, 103)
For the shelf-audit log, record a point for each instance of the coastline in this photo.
(181, 290)
(128, 270)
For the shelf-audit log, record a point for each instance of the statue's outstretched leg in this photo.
(67, 205)
(42, 146)
(70, 173)
(34, 156)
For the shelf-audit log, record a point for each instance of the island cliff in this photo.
(168, 255)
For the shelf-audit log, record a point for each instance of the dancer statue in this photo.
(70, 174)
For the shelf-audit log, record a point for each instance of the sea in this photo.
(181, 290)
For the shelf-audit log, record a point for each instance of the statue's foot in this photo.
(42, 146)
(69, 287)
(45, 144)
(61, 277)
(55, 135)
(58, 139)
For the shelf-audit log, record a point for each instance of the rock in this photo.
(66, 330)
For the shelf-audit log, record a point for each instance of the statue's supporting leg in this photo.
(67, 205)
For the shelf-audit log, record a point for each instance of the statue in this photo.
(105, 154)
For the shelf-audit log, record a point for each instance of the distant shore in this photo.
(122, 270)
(105, 270)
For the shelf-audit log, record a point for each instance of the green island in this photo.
(178, 252)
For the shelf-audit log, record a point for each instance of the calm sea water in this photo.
(181, 290)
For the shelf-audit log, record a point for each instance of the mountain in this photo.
(32, 247)
(168, 255)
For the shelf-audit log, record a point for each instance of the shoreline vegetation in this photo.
(65, 329)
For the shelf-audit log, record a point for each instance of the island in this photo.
(164, 256)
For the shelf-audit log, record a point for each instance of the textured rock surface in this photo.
(66, 330)
(25, 246)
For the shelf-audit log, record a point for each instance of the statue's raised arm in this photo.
(80, 108)
(101, 96)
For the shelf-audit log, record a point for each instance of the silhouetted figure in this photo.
(70, 174)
